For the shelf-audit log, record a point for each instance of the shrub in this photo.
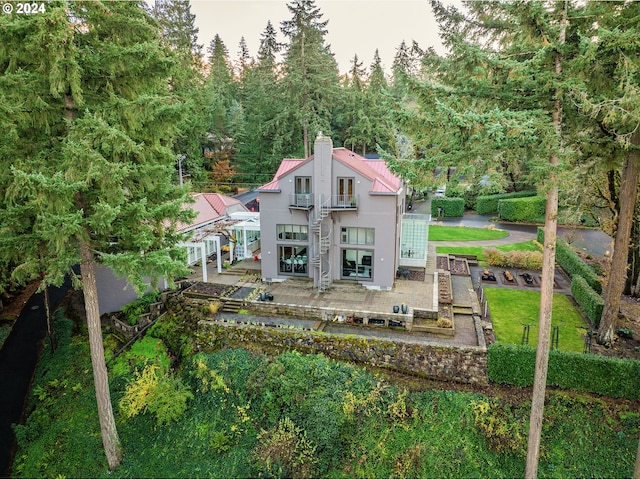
(139, 307)
(489, 203)
(514, 259)
(588, 299)
(571, 262)
(504, 430)
(285, 452)
(614, 377)
(152, 391)
(145, 351)
(451, 207)
(522, 209)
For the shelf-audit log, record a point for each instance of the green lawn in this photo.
(477, 251)
(439, 233)
(511, 308)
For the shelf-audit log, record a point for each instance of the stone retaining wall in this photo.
(144, 320)
(327, 314)
(463, 365)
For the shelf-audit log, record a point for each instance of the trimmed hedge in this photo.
(588, 299)
(614, 377)
(522, 209)
(571, 262)
(489, 203)
(451, 207)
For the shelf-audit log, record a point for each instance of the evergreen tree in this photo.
(260, 150)
(357, 122)
(220, 71)
(89, 163)
(401, 69)
(311, 76)
(502, 92)
(377, 79)
(610, 94)
(269, 48)
(178, 26)
(187, 81)
(244, 59)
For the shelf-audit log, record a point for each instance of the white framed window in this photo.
(293, 232)
(358, 236)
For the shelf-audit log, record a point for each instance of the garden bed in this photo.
(208, 290)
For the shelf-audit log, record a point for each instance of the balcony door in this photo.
(345, 191)
(303, 192)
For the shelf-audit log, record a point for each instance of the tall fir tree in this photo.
(310, 82)
(502, 91)
(89, 164)
(261, 148)
(610, 95)
(187, 81)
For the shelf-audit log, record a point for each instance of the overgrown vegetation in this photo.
(302, 416)
(138, 307)
(528, 260)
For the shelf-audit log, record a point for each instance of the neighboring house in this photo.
(214, 213)
(337, 216)
(219, 215)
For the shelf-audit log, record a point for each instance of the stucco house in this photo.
(218, 215)
(214, 212)
(337, 216)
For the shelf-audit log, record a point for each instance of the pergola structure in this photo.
(241, 228)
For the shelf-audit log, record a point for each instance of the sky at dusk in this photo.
(355, 26)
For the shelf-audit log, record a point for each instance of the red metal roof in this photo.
(209, 207)
(375, 170)
(285, 167)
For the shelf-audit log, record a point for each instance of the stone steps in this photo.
(232, 306)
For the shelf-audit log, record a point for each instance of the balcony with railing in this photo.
(344, 202)
(303, 201)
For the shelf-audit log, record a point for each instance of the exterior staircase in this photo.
(232, 305)
(322, 244)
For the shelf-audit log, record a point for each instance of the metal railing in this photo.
(344, 201)
(301, 200)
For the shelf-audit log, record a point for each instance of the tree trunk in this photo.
(544, 329)
(546, 286)
(632, 286)
(110, 438)
(50, 330)
(618, 270)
